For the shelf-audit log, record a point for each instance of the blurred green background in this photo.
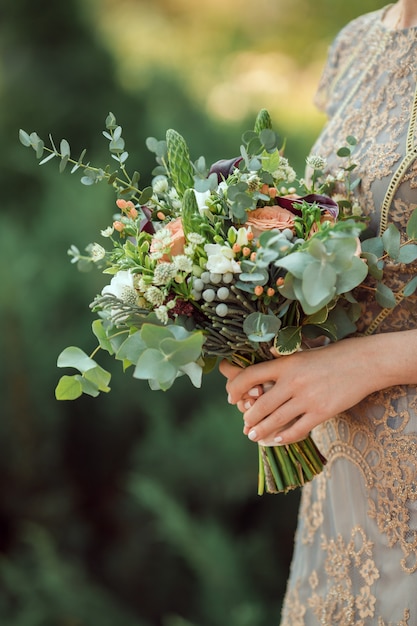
(137, 508)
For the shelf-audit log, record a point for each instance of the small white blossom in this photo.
(195, 238)
(189, 250)
(284, 171)
(97, 252)
(160, 184)
(107, 232)
(183, 263)
(316, 162)
(163, 273)
(161, 313)
(155, 296)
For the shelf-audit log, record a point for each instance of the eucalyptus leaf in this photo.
(69, 388)
(24, 138)
(408, 253)
(385, 296)
(373, 245)
(76, 358)
(392, 241)
(352, 276)
(152, 365)
(260, 327)
(99, 377)
(318, 285)
(410, 287)
(412, 225)
(295, 263)
(131, 349)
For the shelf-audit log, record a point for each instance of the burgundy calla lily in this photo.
(146, 223)
(224, 167)
(325, 203)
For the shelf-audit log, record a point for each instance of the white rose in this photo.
(221, 259)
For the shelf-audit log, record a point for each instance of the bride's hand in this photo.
(307, 388)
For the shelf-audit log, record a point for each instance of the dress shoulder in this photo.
(340, 52)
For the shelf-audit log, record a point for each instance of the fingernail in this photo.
(254, 392)
(252, 434)
(229, 399)
(278, 439)
(247, 405)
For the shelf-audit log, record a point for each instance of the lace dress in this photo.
(355, 557)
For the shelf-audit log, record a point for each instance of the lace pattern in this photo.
(357, 534)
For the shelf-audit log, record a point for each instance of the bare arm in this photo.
(312, 386)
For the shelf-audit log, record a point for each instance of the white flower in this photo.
(220, 259)
(107, 232)
(183, 263)
(315, 162)
(202, 197)
(163, 273)
(121, 286)
(155, 296)
(160, 184)
(242, 235)
(97, 252)
(195, 238)
(162, 314)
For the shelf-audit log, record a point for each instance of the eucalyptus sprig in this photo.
(126, 186)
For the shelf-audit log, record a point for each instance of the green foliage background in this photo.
(140, 508)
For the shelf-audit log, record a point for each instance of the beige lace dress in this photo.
(355, 558)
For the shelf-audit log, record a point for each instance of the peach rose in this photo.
(176, 231)
(269, 217)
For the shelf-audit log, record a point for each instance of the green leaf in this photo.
(260, 327)
(385, 296)
(295, 263)
(373, 245)
(410, 287)
(392, 241)
(132, 348)
(352, 141)
(152, 365)
(288, 340)
(318, 285)
(352, 276)
(412, 225)
(408, 253)
(24, 138)
(65, 148)
(48, 158)
(99, 377)
(343, 152)
(194, 373)
(69, 388)
(76, 358)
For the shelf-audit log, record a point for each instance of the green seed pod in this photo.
(263, 121)
(180, 167)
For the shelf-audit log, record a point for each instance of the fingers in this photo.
(267, 433)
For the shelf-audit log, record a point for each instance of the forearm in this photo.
(312, 386)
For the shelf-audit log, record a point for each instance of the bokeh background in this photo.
(136, 508)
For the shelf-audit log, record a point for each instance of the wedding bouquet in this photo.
(240, 260)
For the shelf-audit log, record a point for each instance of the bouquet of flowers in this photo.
(241, 260)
